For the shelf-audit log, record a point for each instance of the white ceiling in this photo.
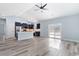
(28, 10)
(14, 9)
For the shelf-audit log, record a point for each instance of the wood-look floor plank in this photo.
(27, 47)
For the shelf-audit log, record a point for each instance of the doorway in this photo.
(2, 29)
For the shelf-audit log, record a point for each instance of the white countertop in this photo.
(24, 35)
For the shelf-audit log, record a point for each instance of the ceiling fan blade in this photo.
(37, 6)
(44, 5)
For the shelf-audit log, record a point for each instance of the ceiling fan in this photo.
(42, 7)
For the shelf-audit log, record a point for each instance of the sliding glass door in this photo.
(55, 35)
(55, 31)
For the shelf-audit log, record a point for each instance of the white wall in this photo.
(70, 27)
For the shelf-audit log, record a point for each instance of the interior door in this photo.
(1, 31)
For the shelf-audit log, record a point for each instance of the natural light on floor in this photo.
(54, 43)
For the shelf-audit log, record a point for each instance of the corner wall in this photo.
(70, 27)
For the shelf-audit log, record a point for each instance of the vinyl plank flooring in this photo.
(27, 47)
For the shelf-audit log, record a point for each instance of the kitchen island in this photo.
(24, 35)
